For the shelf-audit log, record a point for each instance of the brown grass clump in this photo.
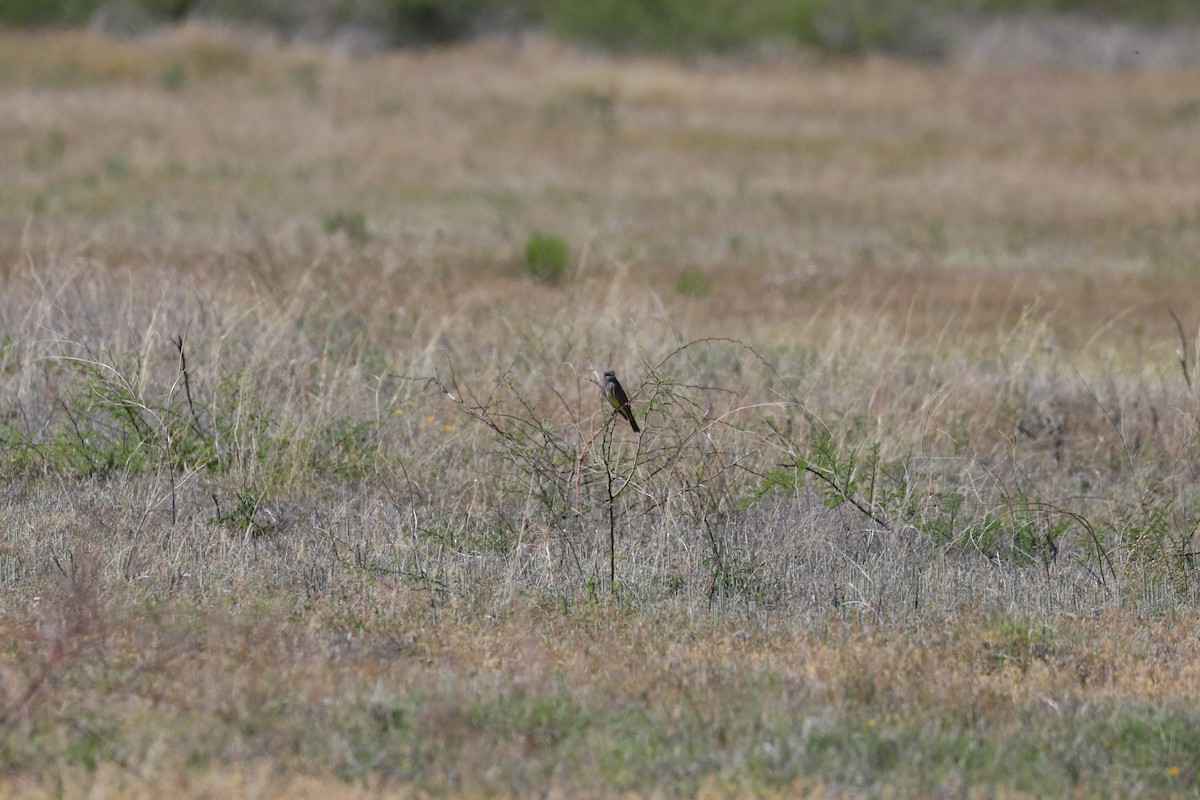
(309, 489)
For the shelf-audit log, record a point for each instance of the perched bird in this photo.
(619, 400)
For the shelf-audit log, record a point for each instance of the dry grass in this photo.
(914, 511)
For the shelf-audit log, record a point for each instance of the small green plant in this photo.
(307, 80)
(246, 514)
(939, 517)
(46, 150)
(546, 257)
(117, 165)
(345, 447)
(174, 76)
(692, 282)
(1017, 640)
(352, 223)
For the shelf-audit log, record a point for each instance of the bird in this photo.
(619, 400)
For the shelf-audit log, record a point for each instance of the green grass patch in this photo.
(546, 257)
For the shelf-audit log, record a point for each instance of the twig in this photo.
(1105, 558)
(187, 387)
(866, 510)
(1183, 348)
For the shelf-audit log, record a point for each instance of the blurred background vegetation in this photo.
(913, 27)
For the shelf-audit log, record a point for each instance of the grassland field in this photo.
(309, 489)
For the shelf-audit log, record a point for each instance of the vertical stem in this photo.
(612, 521)
(612, 540)
(187, 386)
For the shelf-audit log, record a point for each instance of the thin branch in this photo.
(187, 387)
(1183, 348)
(866, 510)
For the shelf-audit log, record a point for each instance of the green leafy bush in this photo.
(692, 282)
(546, 257)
